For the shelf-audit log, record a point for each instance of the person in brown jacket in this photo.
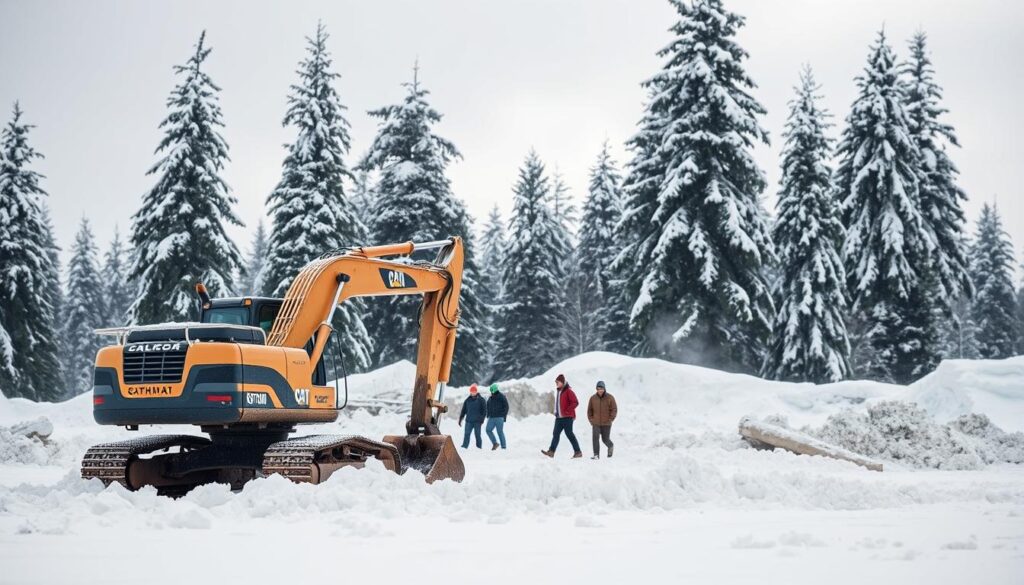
(601, 412)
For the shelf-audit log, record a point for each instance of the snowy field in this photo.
(683, 499)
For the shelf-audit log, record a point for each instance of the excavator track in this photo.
(314, 458)
(109, 462)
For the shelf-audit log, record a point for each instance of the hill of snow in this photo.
(712, 399)
(683, 499)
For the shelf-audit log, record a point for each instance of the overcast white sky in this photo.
(559, 76)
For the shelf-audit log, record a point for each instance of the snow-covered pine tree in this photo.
(958, 331)
(29, 363)
(563, 209)
(413, 200)
(178, 233)
(994, 309)
(362, 202)
(493, 242)
(83, 311)
(1020, 317)
(257, 257)
(310, 211)
(697, 236)
(54, 292)
(118, 293)
(886, 249)
(529, 318)
(639, 196)
(596, 249)
(941, 198)
(809, 341)
(576, 337)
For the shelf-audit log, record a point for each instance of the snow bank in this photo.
(676, 448)
(391, 382)
(662, 405)
(547, 489)
(903, 432)
(994, 388)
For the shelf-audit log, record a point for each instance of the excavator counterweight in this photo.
(255, 368)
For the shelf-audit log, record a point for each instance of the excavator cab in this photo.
(252, 311)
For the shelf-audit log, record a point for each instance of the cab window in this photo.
(267, 315)
(227, 315)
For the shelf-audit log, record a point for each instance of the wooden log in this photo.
(758, 432)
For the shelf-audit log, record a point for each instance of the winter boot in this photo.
(548, 453)
(610, 449)
(596, 457)
(494, 447)
(577, 455)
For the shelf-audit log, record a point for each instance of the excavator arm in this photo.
(323, 284)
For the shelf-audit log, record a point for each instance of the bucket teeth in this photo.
(435, 456)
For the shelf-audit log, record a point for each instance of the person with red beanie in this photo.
(474, 410)
(565, 414)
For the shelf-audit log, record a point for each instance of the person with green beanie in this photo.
(497, 414)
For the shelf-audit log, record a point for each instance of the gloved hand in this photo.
(460, 422)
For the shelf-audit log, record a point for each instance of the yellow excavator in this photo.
(254, 368)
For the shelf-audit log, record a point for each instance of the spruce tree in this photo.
(118, 291)
(958, 332)
(29, 362)
(54, 293)
(575, 338)
(528, 321)
(564, 212)
(809, 341)
(1020, 318)
(493, 243)
(363, 202)
(886, 249)
(178, 233)
(597, 248)
(696, 235)
(639, 194)
(994, 309)
(413, 200)
(84, 311)
(257, 259)
(310, 211)
(941, 199)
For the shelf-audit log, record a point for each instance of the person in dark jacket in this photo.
(601, 412)
(497, 414)
(474, 410)
(565, 414)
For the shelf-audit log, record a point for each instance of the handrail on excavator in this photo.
(403, 249)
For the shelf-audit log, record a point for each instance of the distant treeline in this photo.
(866, 269)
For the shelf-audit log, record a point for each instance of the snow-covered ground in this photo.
(683, 499)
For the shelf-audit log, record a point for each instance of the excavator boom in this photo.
(323, 284)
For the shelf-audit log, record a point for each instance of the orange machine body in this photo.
(227, 382)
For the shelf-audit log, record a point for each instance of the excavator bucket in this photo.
(433, 455)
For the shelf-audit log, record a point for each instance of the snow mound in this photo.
(27, 442)
(664, 405)
(958, 387)
(905, 433)
(391, 382)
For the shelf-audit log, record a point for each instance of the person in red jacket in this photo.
(565, 414)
